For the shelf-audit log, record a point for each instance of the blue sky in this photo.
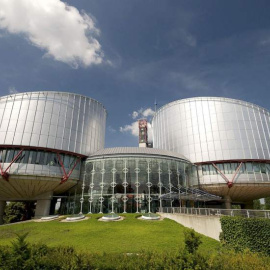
(127, 54)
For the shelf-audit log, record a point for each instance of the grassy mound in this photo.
(128, 236)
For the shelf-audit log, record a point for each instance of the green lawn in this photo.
(128, 236)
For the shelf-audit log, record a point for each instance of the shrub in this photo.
(45, 258)
(192, 240)
(14, 212)
(246, 233)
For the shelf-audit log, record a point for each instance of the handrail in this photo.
(249, 213)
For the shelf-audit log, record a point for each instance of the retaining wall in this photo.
(206, 225)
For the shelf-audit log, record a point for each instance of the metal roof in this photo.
(186, 193)
(48, 93)
(138, 151)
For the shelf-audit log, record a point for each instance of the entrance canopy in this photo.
(191, 194)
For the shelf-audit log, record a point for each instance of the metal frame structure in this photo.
(229, 182)
(193, 194)
(66, 175)
(4, 173)
(64, 178)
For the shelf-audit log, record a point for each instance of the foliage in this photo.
(20, 247)
(236, 206)
(257, 205)
(267, 203)
(246, 233)
(14, 212)
(192, 240)
(43, 257)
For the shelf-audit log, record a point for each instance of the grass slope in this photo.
(128, 236)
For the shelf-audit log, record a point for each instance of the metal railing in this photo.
(216, 212)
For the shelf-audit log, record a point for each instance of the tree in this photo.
(192, 240)
(257, 205)
(14, 212)
(267, 203)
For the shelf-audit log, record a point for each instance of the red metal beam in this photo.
(66, 175)
(221, 173)
(62, 165)
(229, 182)
(1, 170)
(4, 173)
(236, 172)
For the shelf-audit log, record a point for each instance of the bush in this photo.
(192, 240)
(22, 255)
(246, 233)
(14, 212)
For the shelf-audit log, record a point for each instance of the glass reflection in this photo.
(134, 184)
(38, 157)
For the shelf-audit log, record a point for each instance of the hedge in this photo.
(246, 233)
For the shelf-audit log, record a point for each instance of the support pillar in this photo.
(42, 208)
(43, 205)
(228, 202)
(2, 210)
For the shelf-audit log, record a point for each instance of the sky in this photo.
(129, 54)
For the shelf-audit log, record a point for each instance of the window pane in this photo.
(38, 157)
(26, 156)
(263, 169)
(256, 167)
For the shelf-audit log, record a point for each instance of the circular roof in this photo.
(45, 93)
(136, 151)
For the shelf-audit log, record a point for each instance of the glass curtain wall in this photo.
(132, 184)
(38, 157)
(230, 168)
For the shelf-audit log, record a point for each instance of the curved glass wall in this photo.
(132, 184)
(249, 172)
(38, 162)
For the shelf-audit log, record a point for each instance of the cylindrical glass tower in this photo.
(44, 138)
(228, 139)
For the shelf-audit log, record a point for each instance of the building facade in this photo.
(45, 136)
(132, 179)
(52, 144)
(228, 139)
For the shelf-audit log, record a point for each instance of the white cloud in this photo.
(142, 113)
(135, 115)
(12, 90)
(132, 128)
(61, 30)
(148, 112)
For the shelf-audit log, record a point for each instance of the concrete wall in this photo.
(206, 225)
